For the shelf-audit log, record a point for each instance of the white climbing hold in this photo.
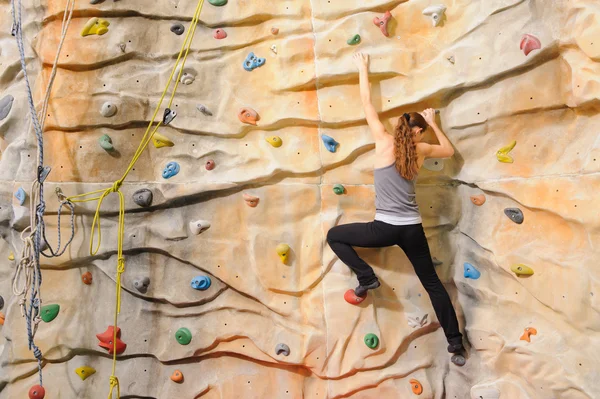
(199, 226)
(187, 78)
(417, 319)
(108, 109)
(485, 392)
(436, 13)
(274, 49)
(433, 164)
(451, 59)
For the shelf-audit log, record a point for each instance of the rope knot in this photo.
(116, 185)
(41, 208)
(37, 353)
(121, 264)
(114, 381)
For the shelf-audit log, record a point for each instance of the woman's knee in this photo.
(333, 235)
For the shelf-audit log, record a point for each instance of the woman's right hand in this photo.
(360, 60)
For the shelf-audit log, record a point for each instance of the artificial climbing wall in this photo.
(268, 329)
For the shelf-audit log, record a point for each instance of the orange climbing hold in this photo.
(274, 31)
(177, 376)
(353, 299)
(478, 199)
(37, 392)
(529, 331)
(1, 319)
(416, 386)
(106, 340)
(248, 115)
(86, 278)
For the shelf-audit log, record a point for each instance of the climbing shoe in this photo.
(361, 290)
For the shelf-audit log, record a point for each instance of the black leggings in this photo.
(412, 240)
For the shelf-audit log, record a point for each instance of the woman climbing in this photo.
(398, 158)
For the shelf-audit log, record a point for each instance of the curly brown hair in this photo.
(405, 149)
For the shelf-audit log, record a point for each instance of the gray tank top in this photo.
(395, 198)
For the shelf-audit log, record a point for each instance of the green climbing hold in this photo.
(354, 40)
(183, 336)
(218, 3)
(338, 189)
(49, 312)
(371, 341)
(106, 142)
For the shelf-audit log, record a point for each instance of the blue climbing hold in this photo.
(20, 195)
(252, 62)
(329, 142)
(200, 283)
(471, 272)
(170, 170)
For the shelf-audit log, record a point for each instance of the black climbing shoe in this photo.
(361, 290)
(458, 359)
(455, 348)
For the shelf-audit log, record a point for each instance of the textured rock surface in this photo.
(489, 96)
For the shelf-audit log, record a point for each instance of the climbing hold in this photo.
(436, 13)
(161, 141)
(471, 272)
(329, 142)
(283, 251)
(84, 372)
(203, 109)
(351, 297)
(434, 165)
(1, 302)
(338, 189)
(515, 215)
(219, 34)
(178, 29)
(168, 116)
(43, 173)
(529, 331)
(483, 392)
(187, 78)
(210, 164)
(530, 43)
(382, 23)
(274, 31)
(354, 40)
(20, 195)
(199, 226)
(87, 278)
(252, 62)
(416, 386)
(49, 312)
(274, 49)
(177, 376)
(106, 142)
(122, 46)
(458, 359)
(275, 141)
(170, 170)
(436, 261)
(11, 256)
(248, 115)
(108, 109)
(183, 336)
(37, 392)
(502, 153)
(416, 321)
(201, 283)
(521, 270)
(1, 319)
(95, 26)
(218, 3)
(371, 340)
(141, 284)
(478, 199)
(451, 59)
(5, 106)
(251, 201)
(282, 349)
(143, 197)
(106, 341)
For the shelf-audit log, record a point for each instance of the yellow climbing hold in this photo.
(283, 251)
(84, 372)
(502, 153)
(161, 141)
(95, 26)
(521, 269)
(275, 141)
(11, 256)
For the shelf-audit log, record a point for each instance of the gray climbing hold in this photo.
(1, 302)
(178, 29)
(143, 197)
(122, 46)
(108, 109)
(5, 106)
(436, 261)
(204, 110)
(141, 284)
(282, 349)
(43, 173)
(96, 1)
(458, 359)
(168, 116)
(515, 215)
(199, 226)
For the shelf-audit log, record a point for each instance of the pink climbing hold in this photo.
(351, 297)
(210, 164)
(382, 23)
(248, 115)
(530, 43)
(220, 34)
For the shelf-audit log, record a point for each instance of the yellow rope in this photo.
(114, 381)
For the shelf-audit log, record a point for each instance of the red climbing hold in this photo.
(382, 23)
(220, 34)
(352, 298)
(210, 164)
(530, 43)
(106, 340)
(37, 392)
(248, 115)
(86, 278)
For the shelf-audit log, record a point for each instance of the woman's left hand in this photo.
(361, 60)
